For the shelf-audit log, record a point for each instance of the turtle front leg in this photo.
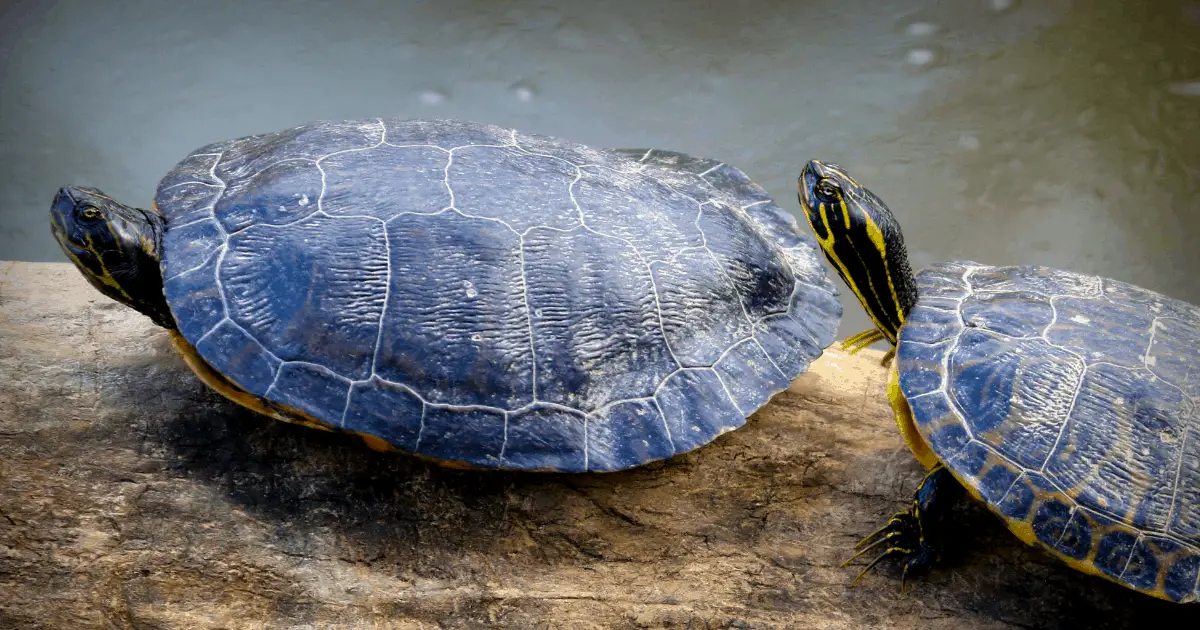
(854, 343)
(915, 535)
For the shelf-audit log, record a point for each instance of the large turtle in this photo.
(1068, 404)
(471, 294)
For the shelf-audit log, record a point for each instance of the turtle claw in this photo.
(901, 536)
(857, 342)
(914, 534)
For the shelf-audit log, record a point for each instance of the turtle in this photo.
(466, 293)
(1068, 404)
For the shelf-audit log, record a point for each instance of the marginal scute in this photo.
(750, 375)
(546, 438)
(779, 224)
(726, 177)
(195, 299)
(1113, 551)
(928, 325)
(462, 434)
(697, 408)
(1050, 520)
(921, 366)
(1076, 539)
(310, 388)
(1181, 578)
(1143, 567)
(632, 431)
(996, 481)
(443, 287)
(945, 280)
(788, 342)
(1016, 503)
(815, 308)
(389, 411)
(241, 358)
(970, 461)
(672, 160)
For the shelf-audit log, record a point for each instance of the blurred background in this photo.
(1052, 132)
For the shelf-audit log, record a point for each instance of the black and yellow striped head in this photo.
(116, 247)
(862, 241)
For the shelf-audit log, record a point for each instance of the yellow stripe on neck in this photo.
(106, 278)
(876, 236)
(827, 245)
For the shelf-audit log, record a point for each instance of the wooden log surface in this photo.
(133, 497)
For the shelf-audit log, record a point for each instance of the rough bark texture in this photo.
(133, 497)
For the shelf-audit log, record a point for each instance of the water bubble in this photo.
(968, 142)
(922, 29)
(523, 91)
(1184, 88)
(920, 56)
(432, 97)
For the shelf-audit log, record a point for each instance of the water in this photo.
(1052, 132)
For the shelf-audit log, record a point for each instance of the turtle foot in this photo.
(914, 535)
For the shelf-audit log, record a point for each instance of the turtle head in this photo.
(863, 242)
(115, 247)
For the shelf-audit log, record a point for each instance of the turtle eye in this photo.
(89, 213)
(827, 190)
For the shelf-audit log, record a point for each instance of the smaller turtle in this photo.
(474, 295)
(1068, 404)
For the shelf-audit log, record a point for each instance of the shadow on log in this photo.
(133, 497)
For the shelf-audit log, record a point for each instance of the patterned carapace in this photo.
(484, 296)
(1070, 405)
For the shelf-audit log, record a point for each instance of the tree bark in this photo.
(131, 496)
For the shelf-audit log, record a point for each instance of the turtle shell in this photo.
(491, 298)
(1069, 405)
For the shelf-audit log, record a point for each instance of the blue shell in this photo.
(1071, 405)
(488, 297)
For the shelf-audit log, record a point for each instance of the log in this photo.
(131, 496)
